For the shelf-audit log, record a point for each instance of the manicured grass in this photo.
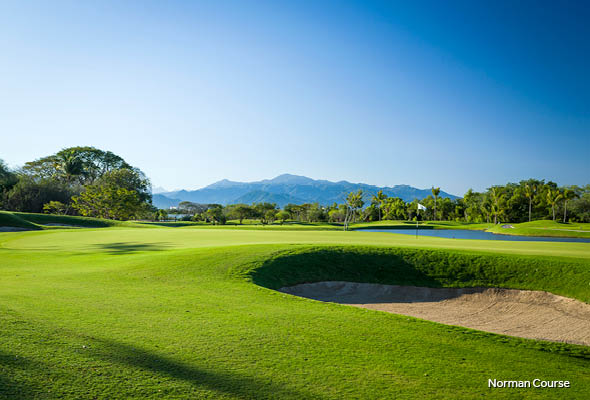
(187, 313)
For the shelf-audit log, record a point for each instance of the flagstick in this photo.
(417, 213)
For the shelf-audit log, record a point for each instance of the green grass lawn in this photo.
(189, 312)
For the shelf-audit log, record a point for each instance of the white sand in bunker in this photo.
(524, 313)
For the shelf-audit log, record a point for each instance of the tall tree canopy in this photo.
(83, 165)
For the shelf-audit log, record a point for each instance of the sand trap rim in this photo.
(432, 268)
(521, 313)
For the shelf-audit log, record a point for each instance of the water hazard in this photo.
(474, 234)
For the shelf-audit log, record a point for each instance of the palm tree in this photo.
(435, 193)
(529, 193)
(497, 198)
(485, 210)
(568, 194)
(354, 202)
(379, 199)
(553, 196)
(70, 164)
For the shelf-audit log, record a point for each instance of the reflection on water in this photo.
(480, 235)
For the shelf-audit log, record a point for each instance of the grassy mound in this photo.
(423, 267)
(36, 221)
(11, 220)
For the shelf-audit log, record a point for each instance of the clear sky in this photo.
(451, 94)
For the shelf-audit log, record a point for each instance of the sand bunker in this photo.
(66, 225)
(524, 313)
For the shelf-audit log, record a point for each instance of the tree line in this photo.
(92, 182)
(514, 202)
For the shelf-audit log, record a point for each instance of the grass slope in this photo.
(12, 220)
(36, 221)
(188, 313)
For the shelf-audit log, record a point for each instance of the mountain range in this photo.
(284, 189)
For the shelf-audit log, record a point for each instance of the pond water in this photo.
(473, 234)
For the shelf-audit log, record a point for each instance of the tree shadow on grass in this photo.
(222, 382)
(348, 264)
(120, 248)
(10, 388)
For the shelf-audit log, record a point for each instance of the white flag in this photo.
(421, 207)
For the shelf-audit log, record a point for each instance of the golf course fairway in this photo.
(193, 312)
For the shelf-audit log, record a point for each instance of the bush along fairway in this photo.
(189, 312)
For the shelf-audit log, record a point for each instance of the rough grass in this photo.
(179, 313)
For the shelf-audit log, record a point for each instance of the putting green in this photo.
(188, 313)
(101, 239)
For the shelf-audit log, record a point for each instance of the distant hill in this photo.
(285, 189)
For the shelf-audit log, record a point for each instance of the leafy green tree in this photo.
(215, 214)
(282, 216)
(412, 209)
(336, 215)
(82, 164)
(239, 212)
(580, 207)
(161, 215)
(394, 208)
(568, 194)
(56, 207)
(435, 193)
(7, 181)
(313, 212)
(446, 208)
(271, 216)
(128, 178)
(29, 195)
(473, 206)
(294, 211)
(118, 194)
(497, 202)
(110, 202)
(261, 210)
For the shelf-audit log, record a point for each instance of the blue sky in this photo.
(451, 94)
